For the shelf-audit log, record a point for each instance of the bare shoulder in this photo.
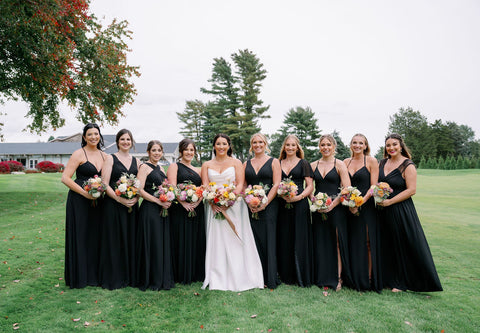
(347, 160)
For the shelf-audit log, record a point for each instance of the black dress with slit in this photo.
(82, 232)
(325, 234)
(117, 244)
(294, 233)
(265, 227)
(154, 255)
(407, 263)
(188, 234)
(363, 232)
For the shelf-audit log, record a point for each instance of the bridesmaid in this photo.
(363, 229)
(187, 233)
(266, 170)
(330, 250)
(294, 229)
(117, 246)
(83, 216)
(154, 257)
(407, 263)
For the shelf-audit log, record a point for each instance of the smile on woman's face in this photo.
(221, 146)
(155, 153)
(92, 136)
(189, 153)
(125, 142)
(393, 147)
(326, 148)
(358, 145)
(258, 145)
(291, 147)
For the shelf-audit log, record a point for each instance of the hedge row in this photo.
(44, 166)
(450, 163)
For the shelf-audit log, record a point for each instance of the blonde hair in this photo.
(366, 151)
(330, 138)
(264, 139)
(299, 152)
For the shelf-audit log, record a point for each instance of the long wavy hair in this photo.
(405, 151)
(88, 126)
(366, 151)
(332, 140)
(299, 152)
(263, 138)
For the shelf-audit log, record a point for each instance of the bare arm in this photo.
(172, 174)
(410, 175)
(73, 163)
(239, 176)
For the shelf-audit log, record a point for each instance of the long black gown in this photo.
(265, 228)
(325, 256)
(117, 244)
(362, 229)
(188, 234)
(294, 233)
(407, 263)
(154, 256)
(82, 232)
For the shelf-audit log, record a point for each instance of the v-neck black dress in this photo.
(294, 233)
(188, 234)
(325, 233)
(153, 248)
(362, 231)
(265, 228)
(117, 244)
(407, 263)
(82, 233)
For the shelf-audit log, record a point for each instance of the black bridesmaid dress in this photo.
(294, 234)
(154, 256)
(82, 232)
(265, 228)
(117, 244)
(363, 230)
(407, 263)
(325, 258)
(188, 235)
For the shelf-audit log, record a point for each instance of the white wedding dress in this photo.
(231, 263)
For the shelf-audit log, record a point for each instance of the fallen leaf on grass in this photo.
(408, 323)
(57, 285)
(78, 302)
(16, 281)
(75, 319)
(269, 330)
(15, 326)
(196, 294)
(86, 323)
(253, 316)
(201, 327)
(325, 293)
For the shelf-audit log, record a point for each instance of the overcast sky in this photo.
(355, 63)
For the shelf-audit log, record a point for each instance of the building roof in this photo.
(66, 148)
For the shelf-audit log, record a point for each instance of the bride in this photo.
(231, 260)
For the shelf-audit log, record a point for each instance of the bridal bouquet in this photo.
(287, 189)
(350, 196)
(255, 195)
(380, 191)
(190, 193)
(127, 187)
(95, 187)
(164, 192)
(321, 201)
(220, 195)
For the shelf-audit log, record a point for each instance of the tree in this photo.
(53, 51)
(379, 153)
(414, 129)
(443, 138)
(342, 150)
(301, 122)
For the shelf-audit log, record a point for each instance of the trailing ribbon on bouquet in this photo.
(229, 220)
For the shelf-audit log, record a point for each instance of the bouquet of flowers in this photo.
(95, 187)
(287, 189)
(220, 195)
(350, 196)
(127, 187)
(380, 192)
(321, 201)
(255, 195)
(164, 192)
(190, 193)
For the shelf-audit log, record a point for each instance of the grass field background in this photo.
(34, 298)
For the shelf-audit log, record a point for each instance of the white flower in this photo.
(122, 187)
(194, 198)
(232, 196)
(96, 194)
(123, 179)
(210, 196)
(313, 208)
(351, 203)
(261, 192)
(136, 184)
(129, 194)
(264, 200)
(190, 192)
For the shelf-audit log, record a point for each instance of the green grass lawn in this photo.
(33, 295)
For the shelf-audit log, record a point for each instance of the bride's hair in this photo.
(226, 137)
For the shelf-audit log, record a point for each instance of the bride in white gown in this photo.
(231, 260)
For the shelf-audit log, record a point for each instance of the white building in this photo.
(60, 149)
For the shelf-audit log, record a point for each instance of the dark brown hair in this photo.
(405, 151)
(88, 126)
(221, 135)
